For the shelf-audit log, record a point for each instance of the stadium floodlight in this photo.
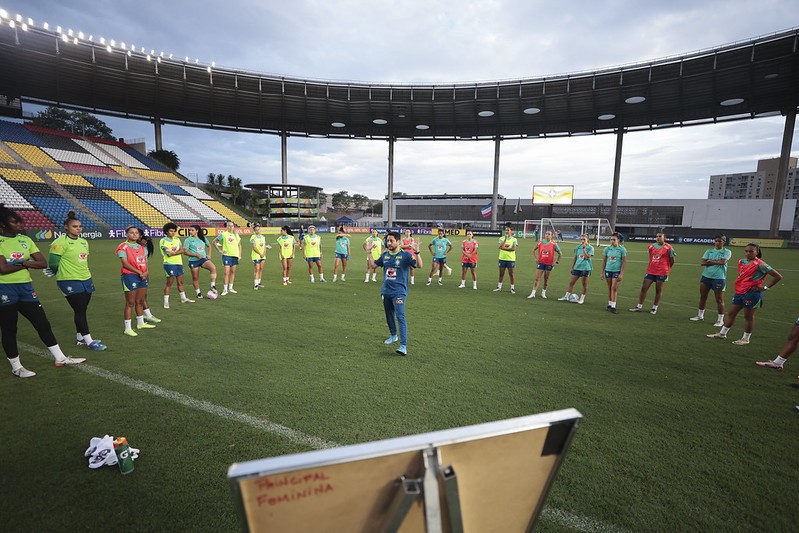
(122, 45)
(30, 21)
(208, 69)
(129, 54)
(80, 35)
(102, 40)
(64, 37)
(149, 58)
(24, 27)
(3, 14)
(186, 59)
(75, 41)
(170, 56)
(19, 17)
(109, 48)
(11, 24)
(158, 59)
(46, 26)
(58, 29)
(112, 42)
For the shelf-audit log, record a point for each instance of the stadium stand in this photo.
(45, 173)
(34, 155)
(226, 212)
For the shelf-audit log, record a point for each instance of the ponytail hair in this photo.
(756, 247)
(147, 241)
(71, 215)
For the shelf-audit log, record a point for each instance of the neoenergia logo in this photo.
(44, 235)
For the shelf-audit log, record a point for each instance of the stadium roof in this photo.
(743, 80)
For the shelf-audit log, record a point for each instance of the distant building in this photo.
(759, 184)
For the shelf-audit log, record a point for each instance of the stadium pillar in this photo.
(284, 174)
(496, 184)
(614, 198)
(159, 143)
(782, 174)
(389, 207)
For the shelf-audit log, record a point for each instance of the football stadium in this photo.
(559, 364)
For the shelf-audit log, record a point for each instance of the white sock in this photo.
(88, 339)
(147, 313)
(335, 277)
(139, 320)
(512, 287)
(499, 285)
(224, 287)
(15, 364)
(258, 281)
(57, 353)
(654, 308)
(724, 330)
(183, 296)
(78, 337)
(747, 336)
(701, 313)
(613, 305)
(128, 326)
(343, 276)
(367, 277)
(429, 280)
(166, 299)
(543, 292)
(720, 318)
(474, 283)
(321, 277)
(567, 295)
(639, 306)
(610, 303)
(374, 277)
(582, 297)
(230, 286)
(312, 278)
(780, 360)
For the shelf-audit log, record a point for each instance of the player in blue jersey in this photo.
(714, 276)
(396, 265)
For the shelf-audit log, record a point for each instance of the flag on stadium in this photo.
(486, 210)
(518, 207)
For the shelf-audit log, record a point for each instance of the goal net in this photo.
(570, 229)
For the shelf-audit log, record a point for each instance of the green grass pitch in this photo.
(680, 432)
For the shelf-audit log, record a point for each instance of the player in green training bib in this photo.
(373, 245)
(197, 248)
(69, 262)
(286, 244)
(18, 254)
(258, 254)
(228, 242)
(312, 250)
(172, 253)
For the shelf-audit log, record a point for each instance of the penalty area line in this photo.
(565, 518)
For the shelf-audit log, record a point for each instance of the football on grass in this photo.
(574, 298)
(211, 295)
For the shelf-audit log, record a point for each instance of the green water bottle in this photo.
(124, 460)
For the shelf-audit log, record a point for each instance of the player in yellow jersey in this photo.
(286, 245)
(312, 249)
(172, 252)
(228, 243)
(373, 245)
(258, 254)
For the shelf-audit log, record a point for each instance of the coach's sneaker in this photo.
(96, 346)
(70, 361)
(145, 326)
(769, 364)
(636, 309)
(653, 311)
(532, 296)
(391, 340)
(402, 350)
(187, 301)
(512, 290)
(498, 289)
(717, 336)
(718, 324)
(696, 318)
(23, 372)
(152, 320)
(232, 291)
(741, 342)
(130, 333)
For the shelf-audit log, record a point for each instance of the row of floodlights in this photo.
(75, 38)
(535, 110)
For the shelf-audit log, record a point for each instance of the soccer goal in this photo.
(570, 229)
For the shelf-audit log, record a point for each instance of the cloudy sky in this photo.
(443, 41)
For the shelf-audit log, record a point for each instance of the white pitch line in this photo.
(565, 518)
(291, 435)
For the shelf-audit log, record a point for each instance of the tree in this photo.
(377, 208)
(212, 180)
(78, 122)
(234, 186)
(359, 201)
(166, 157)
(54, 118)
(341, 200)
(220, 182)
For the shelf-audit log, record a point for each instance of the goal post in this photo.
(570, 229)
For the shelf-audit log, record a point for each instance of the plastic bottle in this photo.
(124, 460)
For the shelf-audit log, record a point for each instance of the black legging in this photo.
(79, 303)
(34, 312)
